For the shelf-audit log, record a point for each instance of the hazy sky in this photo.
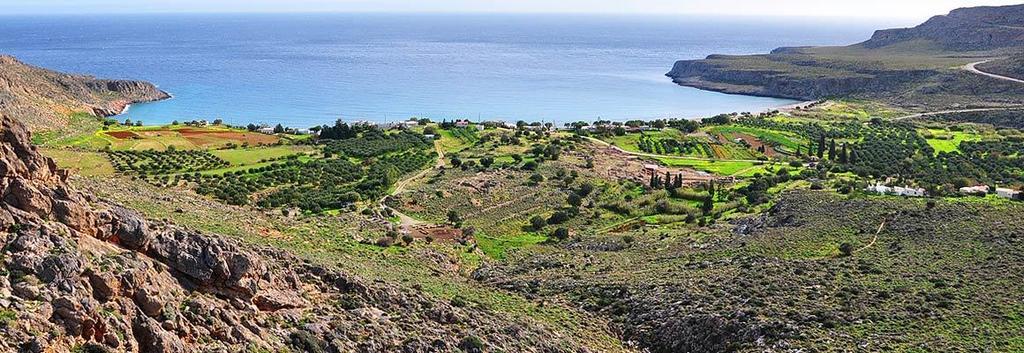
(913, 9)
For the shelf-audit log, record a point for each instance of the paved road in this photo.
(973, 67)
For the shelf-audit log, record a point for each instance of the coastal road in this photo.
(973, 67)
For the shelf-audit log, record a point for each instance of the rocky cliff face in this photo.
(43, 99)
(716, 74)
(81, 273)
(976, 28)
(912, 67)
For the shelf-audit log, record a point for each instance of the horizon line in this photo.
(387, 12)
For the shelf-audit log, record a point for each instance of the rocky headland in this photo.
(44, 99)
(909, 67)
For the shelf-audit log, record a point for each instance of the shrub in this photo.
(560, 233)
(558, 217)
(846, 249)
(306, 342)
(538, 222)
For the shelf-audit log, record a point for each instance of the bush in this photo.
(304, 341)
(538, 222)
(558, 217)
(846, 249)
(560, 234)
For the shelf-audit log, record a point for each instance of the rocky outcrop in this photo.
(81, 274)
(718, 73)
(43, 99)
(966, 29)
(911, 68)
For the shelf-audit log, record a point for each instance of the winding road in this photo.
(973, 67)
(405, 222)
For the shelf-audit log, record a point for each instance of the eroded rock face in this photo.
(83, 273)
(42, 99)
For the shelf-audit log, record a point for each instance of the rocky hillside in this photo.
(43, 99)
(942, 278)
(82, 274)
(966, 29)
(912, 68)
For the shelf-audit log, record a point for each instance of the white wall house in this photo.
(898, 190)
(1008, 193)
(975, 190)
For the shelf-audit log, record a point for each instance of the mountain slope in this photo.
(919, 67)
(82, 274)
(43, 99)
(966, 29)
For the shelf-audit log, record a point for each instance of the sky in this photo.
(909, 9)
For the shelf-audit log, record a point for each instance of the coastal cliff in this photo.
(43, 99)
(912, 67)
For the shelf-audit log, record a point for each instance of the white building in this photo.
(1008, 193)
(266, 130)
(462, 123)
(898, 190)
(879, 188)
(909, 191)
(975, 190)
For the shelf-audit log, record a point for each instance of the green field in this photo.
(631, 141)
(786, 139)
(949, 141)
(721, 167)
(249, 156)
(84, 163)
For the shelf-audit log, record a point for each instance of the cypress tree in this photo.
(832, 150)
(821, 146)
(844, 155)
(708, 205)
(668, 180)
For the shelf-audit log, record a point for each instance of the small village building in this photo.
(897, 190)
(980, 190)
(880, 189)
(266, 130)
(909, 191)
(462, 123)
(651, 168)
(430, 136)
(1008, 193)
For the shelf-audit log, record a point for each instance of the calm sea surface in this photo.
(308, 69)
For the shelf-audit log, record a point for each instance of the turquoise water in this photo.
(308, 69)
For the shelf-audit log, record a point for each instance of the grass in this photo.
(788, 140)
(248, 156)
(631, 141)
(497, 247)
(451, 143)
(722, 167)
(949, 141)
(83, 163)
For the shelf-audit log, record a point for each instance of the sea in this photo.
(306, 69)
